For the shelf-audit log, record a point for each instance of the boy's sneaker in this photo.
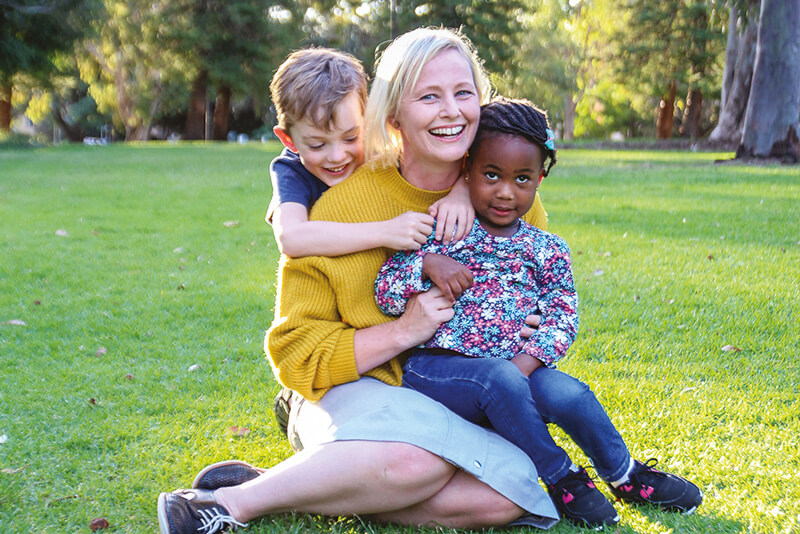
(578, 499)
(193, 511)
(281, 407)
(651, 486)
(225, 473)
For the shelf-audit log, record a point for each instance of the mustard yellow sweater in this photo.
(323, 301)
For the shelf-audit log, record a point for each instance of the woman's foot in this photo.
(647, 485)
(225, 473)
(577, 499)
(192, 511)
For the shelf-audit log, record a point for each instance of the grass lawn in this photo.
(136, 283)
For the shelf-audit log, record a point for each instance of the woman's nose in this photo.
(449, 107)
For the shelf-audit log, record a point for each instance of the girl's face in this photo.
(504, 175)
(439, 116)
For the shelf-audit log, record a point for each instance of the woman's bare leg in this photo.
(341, 478)
(464, 502)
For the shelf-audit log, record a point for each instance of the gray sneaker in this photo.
(193, 511)
(225, 473)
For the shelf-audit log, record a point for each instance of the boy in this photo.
(319, 95)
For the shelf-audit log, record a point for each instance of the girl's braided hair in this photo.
(517, 117)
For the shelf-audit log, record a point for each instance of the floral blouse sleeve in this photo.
(401, 277)
(558, 305)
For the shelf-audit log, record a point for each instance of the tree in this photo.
(30, 34)
(740, 55)
(666, 45)
(773, 109)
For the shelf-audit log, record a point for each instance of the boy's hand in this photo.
(454, 214)
(447, 274)
(408, 231)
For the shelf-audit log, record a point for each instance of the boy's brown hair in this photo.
(311, 83)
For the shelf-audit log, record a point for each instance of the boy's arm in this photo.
(454, 213)
(298, 237)
(558, 306)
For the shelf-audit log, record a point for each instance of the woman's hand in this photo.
(454, 214)
(532, 322)
(408, 231)
(447, 274)
(424, 313)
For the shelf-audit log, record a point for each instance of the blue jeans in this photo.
(519, 408)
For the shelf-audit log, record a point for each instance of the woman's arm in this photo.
(298, 237)
(312, 349)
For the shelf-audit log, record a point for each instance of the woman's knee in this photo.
(408, 466)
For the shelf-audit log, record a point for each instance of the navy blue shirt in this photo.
(291, 182)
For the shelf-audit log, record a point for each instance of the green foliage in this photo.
(125, 248)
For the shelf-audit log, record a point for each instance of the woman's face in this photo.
(439, 116)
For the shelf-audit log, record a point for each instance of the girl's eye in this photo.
(522, 179)
(491, 176)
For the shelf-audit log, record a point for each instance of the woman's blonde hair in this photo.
(396, 72)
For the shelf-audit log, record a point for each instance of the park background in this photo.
(137, 278)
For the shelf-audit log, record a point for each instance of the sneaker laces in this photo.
(213, 520)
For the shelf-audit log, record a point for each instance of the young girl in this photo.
(476, 363)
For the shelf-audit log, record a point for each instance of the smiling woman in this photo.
(369, 447)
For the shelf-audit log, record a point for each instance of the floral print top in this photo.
(514, 277)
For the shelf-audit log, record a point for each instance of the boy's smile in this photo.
(503, 179)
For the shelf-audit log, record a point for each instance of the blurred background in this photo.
(113, 70)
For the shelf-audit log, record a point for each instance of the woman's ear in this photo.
(394, 122)
(285, 138)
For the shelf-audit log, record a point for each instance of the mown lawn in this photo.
(136, 283)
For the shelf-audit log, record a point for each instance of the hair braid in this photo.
(517, 117)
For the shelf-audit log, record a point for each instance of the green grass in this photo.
(674, 258)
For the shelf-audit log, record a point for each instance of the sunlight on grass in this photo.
(144, 315)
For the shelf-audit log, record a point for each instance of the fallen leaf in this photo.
(92, 401)
(37, 302)
(710, 256)
(179, 250)
(194, 367)
(62, 233)
(102, 351)
(181, 287)
(129, 376)
(239, 431)
(230, 224)
(3, 439)
(10, 471)
(731, 348)
(98, 523)
(16, 322)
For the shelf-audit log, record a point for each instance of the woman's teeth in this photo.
(453, 130)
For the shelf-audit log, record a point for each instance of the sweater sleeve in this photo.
(309, 346)
(400, 278)
(558, 304)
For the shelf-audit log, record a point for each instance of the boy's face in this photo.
(503, 179)
(331, 155)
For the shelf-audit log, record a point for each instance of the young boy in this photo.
(319, 95)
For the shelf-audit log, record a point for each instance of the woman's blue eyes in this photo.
(459, 94)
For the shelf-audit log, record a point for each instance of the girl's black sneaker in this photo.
(577, 499)
(651, 486)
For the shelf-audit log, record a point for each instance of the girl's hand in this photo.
(454, 214)
(424, 313)
(447, 274)
(532, 322)
(408, 231)
(526, 363)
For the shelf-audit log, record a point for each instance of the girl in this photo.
(477, 364)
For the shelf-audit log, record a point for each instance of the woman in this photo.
(371, 448)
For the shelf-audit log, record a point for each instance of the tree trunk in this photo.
(5, 106)
(73, 133)
(570, 105)
(690, 127)
(196, 116)
(771, 128)
(740, 57)
(666, 113)
(222, 112)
